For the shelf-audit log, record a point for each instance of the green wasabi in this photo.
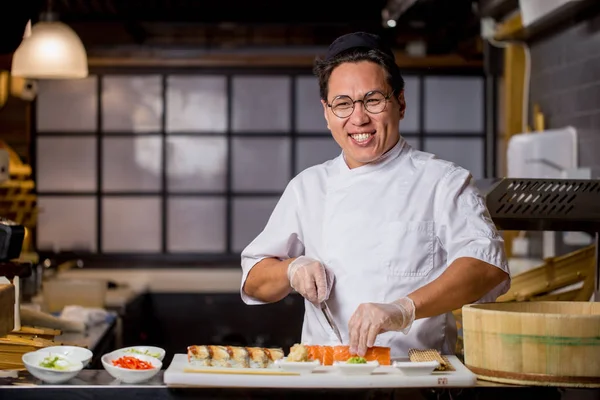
(356, 360)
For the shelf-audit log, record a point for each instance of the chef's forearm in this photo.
(268, 281)
(465, 281)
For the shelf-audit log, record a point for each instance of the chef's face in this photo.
(363, 136)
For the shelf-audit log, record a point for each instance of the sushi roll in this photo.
(238, 357)
(199, 356)
(219, 356)
(229, 357)
(258, 357)
(233, 356)
(274, 355)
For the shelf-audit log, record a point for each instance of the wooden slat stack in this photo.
(33, 332)
(36, 333)
(17, 343)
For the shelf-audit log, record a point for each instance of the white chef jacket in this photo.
(384, 229)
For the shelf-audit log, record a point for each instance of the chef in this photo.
(391, 238)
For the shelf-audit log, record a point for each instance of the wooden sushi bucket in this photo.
(544, 343)
(550, 281)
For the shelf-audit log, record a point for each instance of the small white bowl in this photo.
(32, 361)
(82, 354)
(411, 368)
(130, 375)
(152, 351)
(356, 369)
(298, 367)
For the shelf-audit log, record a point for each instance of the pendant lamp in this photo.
(52, 50)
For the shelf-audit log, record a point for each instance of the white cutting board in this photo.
(321, 377)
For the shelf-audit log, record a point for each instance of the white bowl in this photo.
(130, 375)
(298, 367)
(152, 351)
(82, 354)
(412, 368)
(32, 361)
(356, 369)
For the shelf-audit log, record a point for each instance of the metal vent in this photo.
(545, 204)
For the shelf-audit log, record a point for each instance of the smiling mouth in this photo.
(361, 137)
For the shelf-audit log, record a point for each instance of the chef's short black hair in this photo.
(355, 47)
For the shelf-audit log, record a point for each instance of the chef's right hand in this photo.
(311, 279)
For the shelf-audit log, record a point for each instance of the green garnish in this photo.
(51, 362)
(147, 353)
(356, 360)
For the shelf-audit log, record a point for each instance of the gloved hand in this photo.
(371, 319)
(311, 279)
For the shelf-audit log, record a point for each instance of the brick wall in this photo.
(565, 82)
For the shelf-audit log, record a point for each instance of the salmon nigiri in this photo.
(380, 354)
(322, 353)
(326, 355)
(314, 352)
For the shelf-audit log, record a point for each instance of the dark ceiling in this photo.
(447, 26)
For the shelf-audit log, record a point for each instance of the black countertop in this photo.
(98, 384)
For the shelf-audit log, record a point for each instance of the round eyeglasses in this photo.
(373, 102)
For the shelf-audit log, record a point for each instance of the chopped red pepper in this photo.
(131, 363)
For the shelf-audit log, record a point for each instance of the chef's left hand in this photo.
(371, 319)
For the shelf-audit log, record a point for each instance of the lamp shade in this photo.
(52, 51)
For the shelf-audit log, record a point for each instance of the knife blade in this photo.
(329, 318)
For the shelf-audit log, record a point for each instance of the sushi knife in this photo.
(329, 318)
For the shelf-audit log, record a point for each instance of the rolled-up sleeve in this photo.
(465, 227)
(281, 238)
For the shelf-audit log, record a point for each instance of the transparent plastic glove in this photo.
(371, 319)
(311, 279)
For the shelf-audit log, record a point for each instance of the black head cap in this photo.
(357, 40)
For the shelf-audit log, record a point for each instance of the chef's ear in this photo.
(325, 112)
(402, 103)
